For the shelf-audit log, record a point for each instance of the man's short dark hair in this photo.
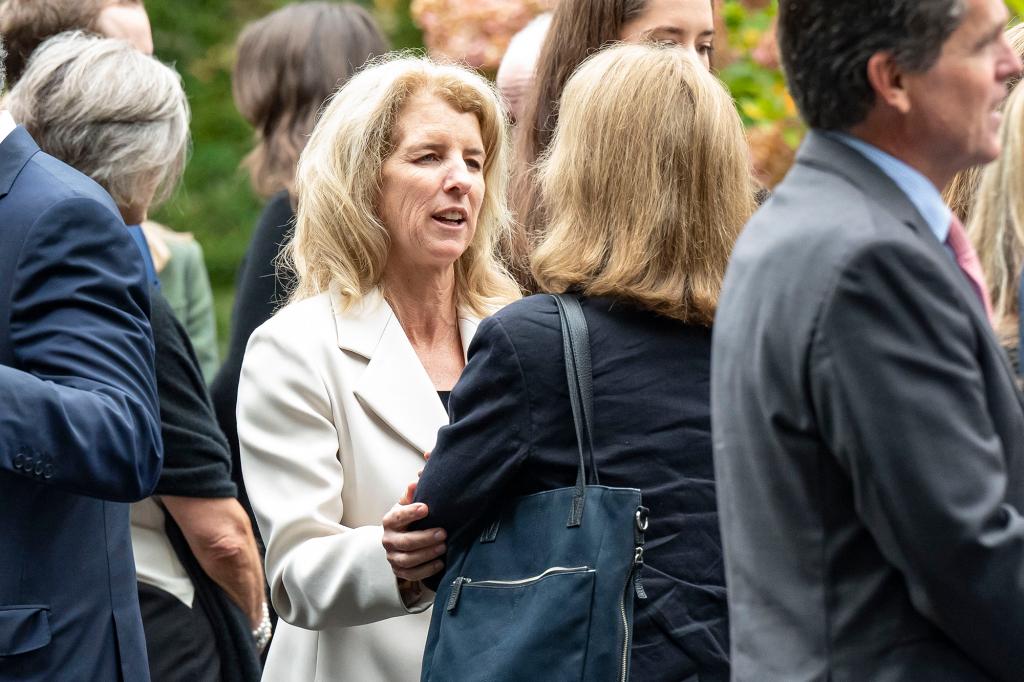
(826, 45)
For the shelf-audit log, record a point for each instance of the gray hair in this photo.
(113, 113)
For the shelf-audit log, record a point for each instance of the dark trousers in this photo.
(179, 640)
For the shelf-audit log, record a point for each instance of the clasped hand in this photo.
(413, 554)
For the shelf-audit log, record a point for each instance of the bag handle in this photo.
(576, 347)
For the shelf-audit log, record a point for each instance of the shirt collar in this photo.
(921, 192)
(7, 125)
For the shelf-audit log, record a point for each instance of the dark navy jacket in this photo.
(512, 434)
(79, 428)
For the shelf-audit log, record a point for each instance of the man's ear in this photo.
(887, 80)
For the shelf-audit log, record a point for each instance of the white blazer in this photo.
(335, 411)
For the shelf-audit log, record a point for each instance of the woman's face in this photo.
(687, 23)
(432, 184)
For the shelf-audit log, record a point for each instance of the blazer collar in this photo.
(822, 152)
(15, 151)
(394, 385)
(830, 155)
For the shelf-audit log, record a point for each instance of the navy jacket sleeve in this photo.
(79, 406)
(489, 438)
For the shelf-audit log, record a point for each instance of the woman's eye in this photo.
(474, 164)
(706, 49)
(427, 158)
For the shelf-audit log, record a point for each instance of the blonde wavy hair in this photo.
(339, 238)
(959, 194)
(647, 183)
(996, 226)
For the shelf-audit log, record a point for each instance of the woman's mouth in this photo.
(450, 218)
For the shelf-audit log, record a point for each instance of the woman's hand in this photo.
(413, 555)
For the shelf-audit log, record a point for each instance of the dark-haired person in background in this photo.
(25, 24)
(289, 62)
(869, 438)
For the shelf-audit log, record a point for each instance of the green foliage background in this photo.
(215, 201)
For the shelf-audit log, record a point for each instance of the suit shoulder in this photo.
(527, 320)
(49, 181)
(526, 308)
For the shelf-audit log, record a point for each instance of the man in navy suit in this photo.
(79, 427)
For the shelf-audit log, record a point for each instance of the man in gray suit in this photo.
(869, 440)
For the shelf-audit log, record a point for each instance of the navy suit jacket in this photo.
(79, 427)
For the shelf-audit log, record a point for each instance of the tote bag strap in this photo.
(576, 347)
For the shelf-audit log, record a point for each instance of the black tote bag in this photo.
(547, 591)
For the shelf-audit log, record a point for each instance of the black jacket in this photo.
(260, 289)
(197, 463)
(512, 434)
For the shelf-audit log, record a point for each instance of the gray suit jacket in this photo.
(869, 443)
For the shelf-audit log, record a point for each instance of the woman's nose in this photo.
(458, 178)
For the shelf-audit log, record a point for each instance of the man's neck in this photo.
(893, 140)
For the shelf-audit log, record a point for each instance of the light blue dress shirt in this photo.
(921, 192)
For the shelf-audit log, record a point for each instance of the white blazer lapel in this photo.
(394, 385)
(467, 329)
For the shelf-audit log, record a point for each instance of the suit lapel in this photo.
(394, 386)
(835, 157)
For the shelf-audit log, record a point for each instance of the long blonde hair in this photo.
(339, 238)
(647, 183)
(996, 226)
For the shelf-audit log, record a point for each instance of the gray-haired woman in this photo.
(121, 117)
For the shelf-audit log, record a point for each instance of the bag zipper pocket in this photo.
(461, 581)
(633, 584)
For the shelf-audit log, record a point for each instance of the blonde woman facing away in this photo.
(401, 198)
(647, 186)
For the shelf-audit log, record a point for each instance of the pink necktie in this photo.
(967, 259)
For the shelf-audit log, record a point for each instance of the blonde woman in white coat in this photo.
(401, 200)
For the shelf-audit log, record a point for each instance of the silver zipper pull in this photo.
(638, 564)
(453, 598)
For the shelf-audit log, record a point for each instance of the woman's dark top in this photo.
(259, 290)
(197, 463)
(512, 434)
(444, 396)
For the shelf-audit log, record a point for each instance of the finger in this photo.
(426, 455)
(410, 560)
(420, 572)
(401, 515)
(410, 492)
(412, 541)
